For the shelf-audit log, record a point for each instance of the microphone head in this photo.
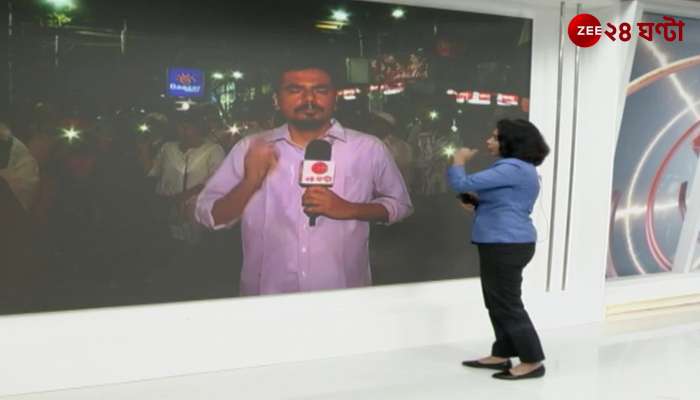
(318, 149)
(317, 169)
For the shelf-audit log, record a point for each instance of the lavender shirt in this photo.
(281, 253)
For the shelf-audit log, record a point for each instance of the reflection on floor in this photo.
(638, 357)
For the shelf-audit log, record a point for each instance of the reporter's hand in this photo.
(321, 200)
(260, 159)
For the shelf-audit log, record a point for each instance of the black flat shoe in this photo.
(505, 365)
(506, 375)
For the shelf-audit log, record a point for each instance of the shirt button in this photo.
(303, 249)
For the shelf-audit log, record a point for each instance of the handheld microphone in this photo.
(317, 169)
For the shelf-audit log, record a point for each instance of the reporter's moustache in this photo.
(309, 107)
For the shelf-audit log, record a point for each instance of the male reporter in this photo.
(259, 184)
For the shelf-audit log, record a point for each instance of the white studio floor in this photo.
(642, 357)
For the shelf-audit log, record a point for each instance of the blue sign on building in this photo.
(185, 82)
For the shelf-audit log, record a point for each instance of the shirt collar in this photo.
(336, 131)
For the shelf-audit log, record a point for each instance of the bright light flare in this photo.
(449, 151)
(71, 134)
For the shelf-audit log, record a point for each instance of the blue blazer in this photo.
(507, 192)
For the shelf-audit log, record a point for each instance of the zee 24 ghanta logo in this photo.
(585, 30)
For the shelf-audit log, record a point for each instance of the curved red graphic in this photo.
(656, 251)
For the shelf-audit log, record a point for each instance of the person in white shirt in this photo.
(18, 167)
(182, 168)
(383, 125)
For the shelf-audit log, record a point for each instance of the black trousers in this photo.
(501, 280)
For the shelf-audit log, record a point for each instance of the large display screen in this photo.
(121, 112)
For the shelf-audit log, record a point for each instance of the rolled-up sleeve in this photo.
(499, 175)
(226, 178)
(389, 187)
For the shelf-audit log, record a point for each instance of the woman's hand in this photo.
(463, 155)
(468, 201)
(467, 207)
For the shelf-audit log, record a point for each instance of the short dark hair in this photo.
(300, 62)
(194, 117)
(519, 138)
